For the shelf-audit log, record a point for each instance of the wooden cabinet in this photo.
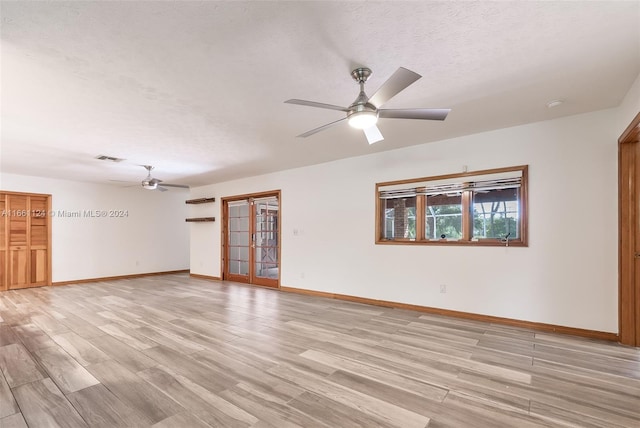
(25, 240)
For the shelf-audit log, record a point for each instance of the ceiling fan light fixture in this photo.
(363, 119)
(149, 185)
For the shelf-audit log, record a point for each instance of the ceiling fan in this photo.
(150, 183)
(364, 112)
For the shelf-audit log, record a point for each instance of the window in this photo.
(444, 216)
(496, 213)
(473, 208)
(400, 218)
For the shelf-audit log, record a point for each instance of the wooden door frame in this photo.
(628, 223)
(223, 235)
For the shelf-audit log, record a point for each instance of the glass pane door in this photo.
(251, 237)
(238, 237)
(265, 251)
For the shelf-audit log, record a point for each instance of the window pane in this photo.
(239, 268)
(399, 218)
(267, 270)
(496, 213)
(239, 253)
(234, 253)
(443, 217)
(244, 253)
(239, 238)
(243, 223)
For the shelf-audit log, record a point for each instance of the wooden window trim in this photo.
(467, 219)
(420, 216)
(467, 213)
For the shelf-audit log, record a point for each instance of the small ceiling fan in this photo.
(364, 112)
(150, 183)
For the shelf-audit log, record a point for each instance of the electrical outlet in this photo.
(443, 288)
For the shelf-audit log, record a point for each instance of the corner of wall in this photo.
(630, 106)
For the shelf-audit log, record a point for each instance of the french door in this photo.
(251, 239)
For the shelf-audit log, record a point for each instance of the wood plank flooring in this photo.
(174, 351)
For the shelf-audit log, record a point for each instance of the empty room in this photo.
(320, 214)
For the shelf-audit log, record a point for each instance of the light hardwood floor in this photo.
(172, 351)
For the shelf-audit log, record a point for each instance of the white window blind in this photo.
(485, 182)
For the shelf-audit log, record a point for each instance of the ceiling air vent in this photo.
(108, 158)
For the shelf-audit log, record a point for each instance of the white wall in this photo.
(630, 106)
(567, 275)
(152, 238)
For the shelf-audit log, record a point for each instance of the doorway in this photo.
(629, 234)
(251, 239)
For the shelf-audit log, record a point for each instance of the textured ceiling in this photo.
(197, 88)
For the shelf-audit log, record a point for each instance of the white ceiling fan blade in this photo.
(315, 104)
(415, 113)
(183, 186)
(321, 128)
(373, 134)
(398, 81)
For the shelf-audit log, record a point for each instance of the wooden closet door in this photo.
(18, 243)
(38, 241)
(25, 240)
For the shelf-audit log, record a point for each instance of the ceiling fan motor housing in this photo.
(361, 113)
(361, 74)
(149, 184)
(357, 108)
